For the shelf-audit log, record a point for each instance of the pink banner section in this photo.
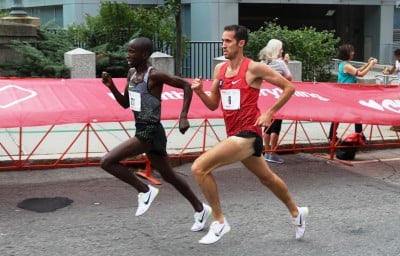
(36, 102)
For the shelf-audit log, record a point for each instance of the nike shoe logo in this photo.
(220, 231)
(202, 216)
(236, 81)
(148, 199)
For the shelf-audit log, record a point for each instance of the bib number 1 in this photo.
(230, 99)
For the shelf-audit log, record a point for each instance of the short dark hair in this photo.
(344, 51)
(397, 52)
(241, 32)
(145, 44)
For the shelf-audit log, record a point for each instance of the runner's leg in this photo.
(163, 165)
(230, 150)
(268, 178)
(111, 162)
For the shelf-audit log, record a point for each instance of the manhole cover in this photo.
(45, 204)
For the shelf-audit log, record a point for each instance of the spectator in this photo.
(396, 69)
(271, 55)
(396, 66)
(347, 74)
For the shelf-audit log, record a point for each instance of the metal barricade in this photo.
(386, 79)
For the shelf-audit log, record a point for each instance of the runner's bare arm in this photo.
(177, 82)
(122, 99)
(261, 71)
(212, 99)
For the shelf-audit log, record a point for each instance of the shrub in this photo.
(44, 58)
(106, 35)
(314, 49)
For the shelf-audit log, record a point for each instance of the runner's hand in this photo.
(264, 120)
(183, 124)
(197, 84)
(106, 79)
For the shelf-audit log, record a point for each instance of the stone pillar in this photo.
(18, 9)
(216, 61)
(163, 62)
(18, 15)
(10, 31)
(81, 62)
(17, 26)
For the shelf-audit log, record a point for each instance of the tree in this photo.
(44, 58)
(107, 34)
(314, 49)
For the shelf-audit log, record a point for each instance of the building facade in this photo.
(367, 24)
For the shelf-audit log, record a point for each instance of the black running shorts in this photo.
(153, 134)
(258, 143)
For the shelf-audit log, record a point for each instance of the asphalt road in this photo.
(355, 210)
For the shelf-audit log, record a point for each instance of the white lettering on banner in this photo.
(277, 92)
(310, 95)
(390, 105)
(172, 95)
(3, 90)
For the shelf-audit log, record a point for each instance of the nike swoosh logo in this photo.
(202, 217)
(236, 81)
(220, 231)
(148, 199)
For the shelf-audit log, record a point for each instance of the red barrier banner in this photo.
(37, 101)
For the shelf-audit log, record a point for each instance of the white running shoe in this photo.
(300, 221)
(145, 200)
(200, 218)
(217, 230)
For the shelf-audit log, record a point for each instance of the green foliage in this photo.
(106, 35)
(117, 23)
(314, 49)
(4, 14)
(44, 58)
(113, 61)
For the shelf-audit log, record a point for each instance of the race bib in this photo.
(135, 101)
(230, 99)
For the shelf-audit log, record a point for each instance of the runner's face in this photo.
(230, 45)
(135, 55)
